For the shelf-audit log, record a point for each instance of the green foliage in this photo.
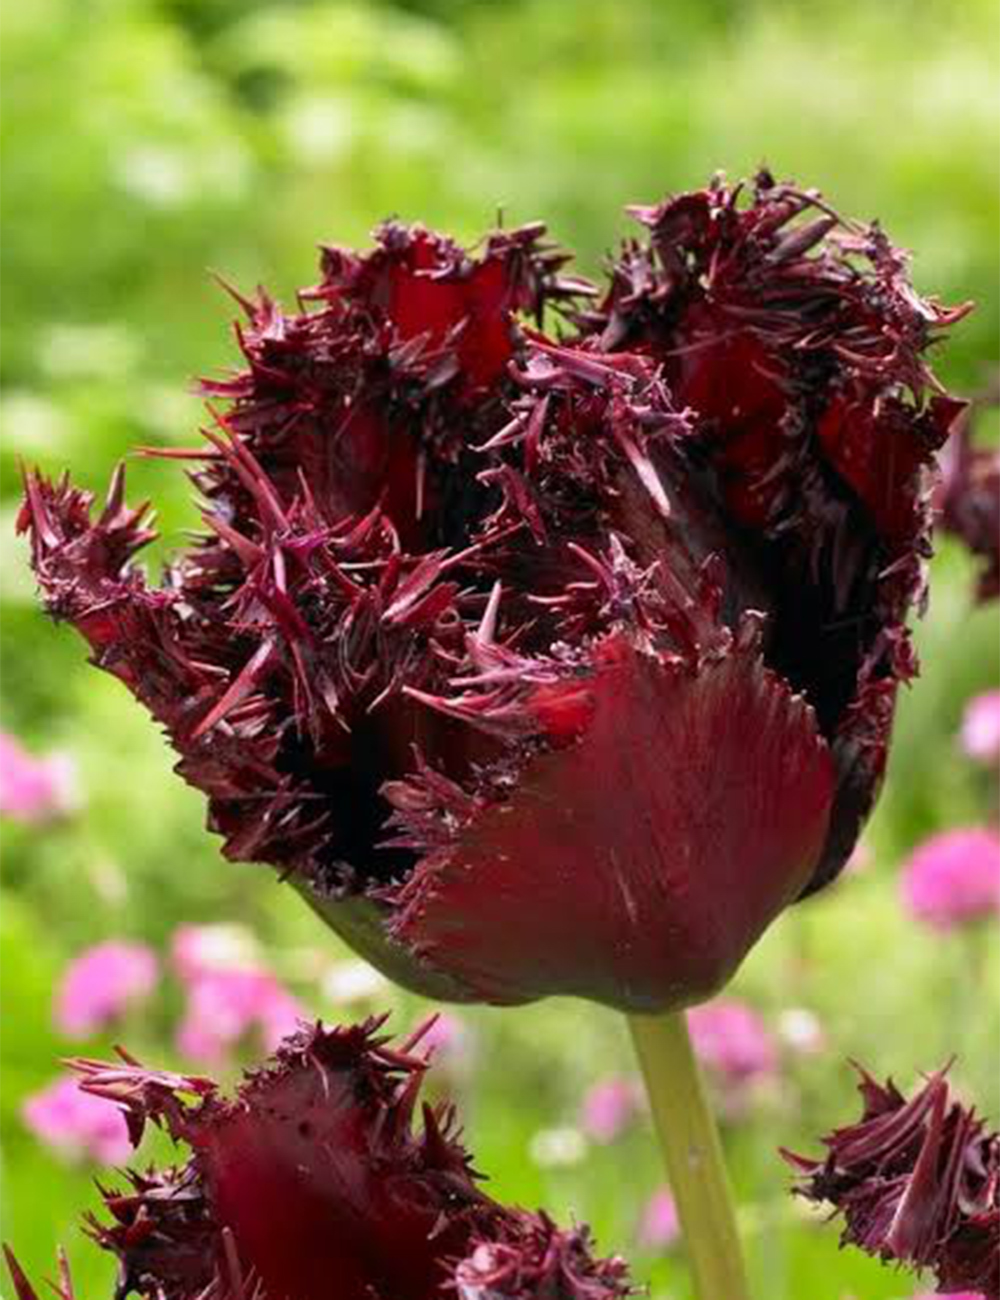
(146, 141)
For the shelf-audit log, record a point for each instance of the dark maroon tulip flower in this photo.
(544, 667)
(313, 1184)
(969, 498)
(917, 1181)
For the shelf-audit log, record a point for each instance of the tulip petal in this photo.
(639, 865)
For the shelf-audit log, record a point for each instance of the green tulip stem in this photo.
(692, 1152)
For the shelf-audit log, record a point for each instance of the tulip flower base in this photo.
(693, 1155)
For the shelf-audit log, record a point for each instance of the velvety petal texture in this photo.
(917, 1182)
(592, 639)
(315, 1176)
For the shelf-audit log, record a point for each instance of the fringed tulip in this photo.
(536, 667)
(797, 341)
(917, 1182)
(314, 1177)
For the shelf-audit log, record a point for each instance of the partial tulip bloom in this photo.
(316, 1174)
(917, 1182)
(594, 642)
(100, 985)
(35, 790)
(953, 878)
(969, 502)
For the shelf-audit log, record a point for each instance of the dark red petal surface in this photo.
(666, 840)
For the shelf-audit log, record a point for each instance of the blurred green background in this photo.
(148, 141)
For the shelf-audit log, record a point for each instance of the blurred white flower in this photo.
(170, 176)
(156, 174)
(800, 1029)
(30, 422)
(75, 351)
(557, 1148)
(352, 981)
(320, 128)
(197, 950)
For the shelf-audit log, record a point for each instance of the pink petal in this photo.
(609, 1107)
(732, 1040)
(660, 1227)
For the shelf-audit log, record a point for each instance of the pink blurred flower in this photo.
(949, 1295)
(609, 1107)
(77, 1125)
(100, 984)
(980, 733)
(953, 878)
(659, 1227)
(35, 789)
(229, 993)
(730, 1038)
(225, 1006)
